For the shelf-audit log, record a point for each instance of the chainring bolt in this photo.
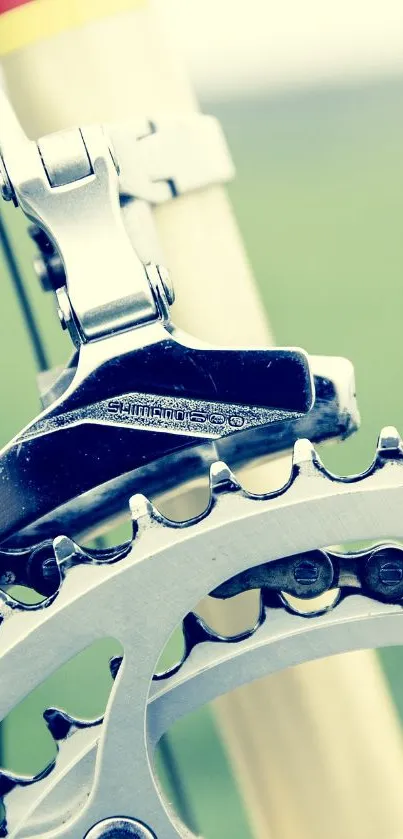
(119, 827)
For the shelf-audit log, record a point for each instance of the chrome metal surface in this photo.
(166, 391)
(334, 415)
(65, 157)
(137, 397)
(313, 510)
(148, 392)
(106, 283)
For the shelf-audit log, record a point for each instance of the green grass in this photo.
(319, 199)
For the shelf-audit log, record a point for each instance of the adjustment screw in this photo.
(306, 572)
(119, 828)
(390, 573)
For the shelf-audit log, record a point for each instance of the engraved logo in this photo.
(172, 415)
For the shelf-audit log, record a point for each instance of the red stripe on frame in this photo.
(7, 5)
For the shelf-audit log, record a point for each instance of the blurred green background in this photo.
(319, 199)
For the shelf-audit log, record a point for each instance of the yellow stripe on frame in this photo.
(39, 19)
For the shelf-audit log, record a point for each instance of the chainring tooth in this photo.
(390, 445)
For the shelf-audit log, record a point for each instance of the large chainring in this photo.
(140, 593)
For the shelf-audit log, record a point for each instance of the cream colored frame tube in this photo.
(317, 750)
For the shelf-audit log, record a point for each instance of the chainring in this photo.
(104, 767)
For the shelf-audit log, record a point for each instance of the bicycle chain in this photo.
(376, 571)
